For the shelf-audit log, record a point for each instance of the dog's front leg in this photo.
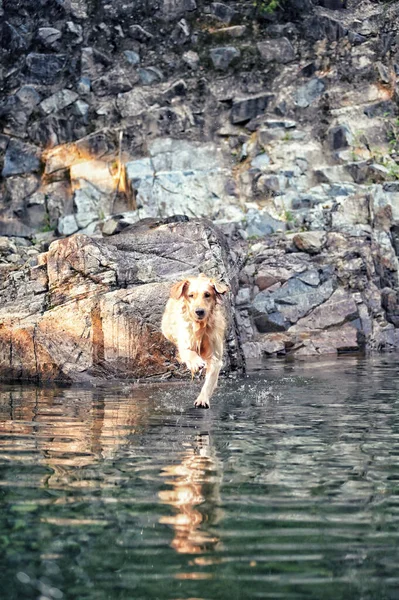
(211, 378)
(193, 361)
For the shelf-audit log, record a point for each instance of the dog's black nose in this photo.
(200, 312)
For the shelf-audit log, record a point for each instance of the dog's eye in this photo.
(207, 295)
(191, 295)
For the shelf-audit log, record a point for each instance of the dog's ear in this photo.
(220, 288)
(178, 289)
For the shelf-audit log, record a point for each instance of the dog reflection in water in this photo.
(195, 480)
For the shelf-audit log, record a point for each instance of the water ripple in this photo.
(287, 488)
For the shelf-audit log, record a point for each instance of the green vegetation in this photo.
(267, 7)
(393, 170)
(381, 155)
(46, 225)
(288, 216)
(393, 136)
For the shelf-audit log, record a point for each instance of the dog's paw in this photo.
(201, 402)
(194, 362)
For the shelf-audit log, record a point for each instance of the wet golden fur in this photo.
(195, 322)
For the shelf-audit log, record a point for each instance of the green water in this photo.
(287, 488)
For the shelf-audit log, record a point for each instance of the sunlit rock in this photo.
(91, 309)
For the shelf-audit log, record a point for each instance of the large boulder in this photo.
(90, 309)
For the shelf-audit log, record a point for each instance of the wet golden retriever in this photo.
(194, 320)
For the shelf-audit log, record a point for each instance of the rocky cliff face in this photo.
(277, 123)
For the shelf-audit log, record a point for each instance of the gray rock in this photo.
(172, 9)
(271, 321)
(274, 343)
(4, 141)
(222, 12)
(181, 177)
(181, 33)
(383, 72)
(58, 101)
(311, 277)
(115, 81)
(76, 30)
(77, 8)
(311, 242)
(13, 226)
(165, 121)
(380, 109)
(391, 187)
(150, 75)
(139, 33)
(15, 115)
(131, 104)
(19, 188)
(191, 59)
(182, 155)
(339, 137)
(351, 215)
(117, 223)
(90, 204)
(84, 86)
(271, 135)
(286, 305)
(45, 69)
(333, 174)
(280, 50)
(379, 173)
(97, 173)
(261, 223)
(243, 296)
(245, 109)
(67, 225)
(332, 341)
(49, 36)
(223, 57)
(58, 199)
(13, 38)
(20, 158)
(94, 63)
(81, 109)
(308, 93)
(356, 38)
(269, 184)
(321, 27)
(359, 171)
(28, 96)
(140, 169)
(132, 57)
(261, 161)
(177, 89)
(280, 124)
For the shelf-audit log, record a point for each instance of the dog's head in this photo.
(199, 295)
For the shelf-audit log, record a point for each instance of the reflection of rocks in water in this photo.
(68, 429)
(195, 494)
